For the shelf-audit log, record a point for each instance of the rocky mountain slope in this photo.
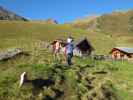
(8, 15)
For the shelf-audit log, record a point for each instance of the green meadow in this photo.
(111, 77)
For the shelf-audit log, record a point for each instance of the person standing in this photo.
(69, 51)
(56, 50)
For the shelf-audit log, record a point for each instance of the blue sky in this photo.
(64, 10)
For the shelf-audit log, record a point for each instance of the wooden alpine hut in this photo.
(83, 48)
(121, 53)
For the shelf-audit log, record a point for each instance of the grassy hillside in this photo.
(22, 33)
(85, 79)
(117, 23)
(26, 34)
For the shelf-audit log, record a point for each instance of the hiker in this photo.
(56, 49)
(69, 51)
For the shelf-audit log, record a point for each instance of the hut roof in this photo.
(84, 44)
(124, 49)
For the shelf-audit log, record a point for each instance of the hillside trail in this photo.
(78, 83)
(81, 81)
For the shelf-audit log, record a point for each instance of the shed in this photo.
(83, 48)
(121, 53)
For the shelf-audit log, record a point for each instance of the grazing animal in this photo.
(36, 83)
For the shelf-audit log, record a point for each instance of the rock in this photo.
(11, 54)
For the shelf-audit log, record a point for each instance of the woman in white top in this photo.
(57, 47)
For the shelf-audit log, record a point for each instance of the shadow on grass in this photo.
(39, 84)
(58, 94)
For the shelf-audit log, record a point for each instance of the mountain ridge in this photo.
(9, 15)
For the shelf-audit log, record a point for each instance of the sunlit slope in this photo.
(116, 23)
(26, 34)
